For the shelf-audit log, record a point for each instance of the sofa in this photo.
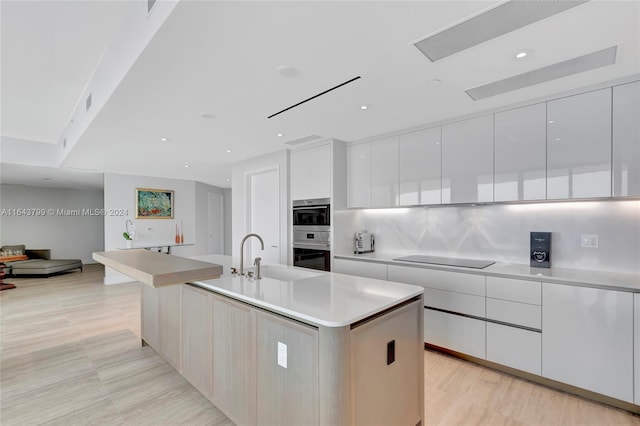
(38, 262)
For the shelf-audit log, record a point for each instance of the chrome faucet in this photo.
(242, 250)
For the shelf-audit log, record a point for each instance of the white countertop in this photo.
(580, 277)
(323, 298)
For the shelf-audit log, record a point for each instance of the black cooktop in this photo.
(448, 261)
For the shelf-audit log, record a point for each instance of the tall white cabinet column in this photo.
(467, 161)
(521, 154)
(420, 167)
(579, 146)
(626, 140)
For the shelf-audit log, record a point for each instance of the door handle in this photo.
(274, 246)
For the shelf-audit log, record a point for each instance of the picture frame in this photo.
(154, 203)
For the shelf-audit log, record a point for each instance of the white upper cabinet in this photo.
(626, 140)
(467, 161)
(384, 172)
(420, 167)
(521, 154)
(579, 146)
(311, 173)
(359, 175)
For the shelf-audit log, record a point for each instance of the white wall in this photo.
(119, 193)
(241, 172)
(69, 235)
(228, 222)
(501, 232)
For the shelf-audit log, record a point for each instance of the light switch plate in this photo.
(282, 355)
(589, 240)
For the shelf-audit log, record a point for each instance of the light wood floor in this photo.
(70, 354)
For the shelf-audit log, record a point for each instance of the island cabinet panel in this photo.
(233, 378)
(170, 321)
(455, 332)
(196, 337)
(626, 140)
(150, 316)
(384, 359)
(579, 146)
(587, 338)
(287, 372)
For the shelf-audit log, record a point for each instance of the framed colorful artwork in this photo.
(154, 203)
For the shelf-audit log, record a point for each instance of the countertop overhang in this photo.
(157, 269)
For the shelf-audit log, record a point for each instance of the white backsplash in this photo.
(500, 232)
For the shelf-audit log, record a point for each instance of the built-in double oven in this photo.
(312, 234)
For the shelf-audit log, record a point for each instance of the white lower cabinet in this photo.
(514, 313)
(587, 338)
(360, 269)
(455, 332)
(636, 346)
(467, 304)
(514, 347)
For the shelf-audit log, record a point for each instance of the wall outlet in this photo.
(589, 240)
(282, 355)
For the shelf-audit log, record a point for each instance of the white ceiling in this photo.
(222, 58)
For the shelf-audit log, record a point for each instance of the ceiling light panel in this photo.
(493, 23)
(577, 65)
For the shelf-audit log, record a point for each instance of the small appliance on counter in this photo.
(364, 242)
(540, 249)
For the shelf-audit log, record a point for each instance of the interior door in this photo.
(215, 224)
(264, 215)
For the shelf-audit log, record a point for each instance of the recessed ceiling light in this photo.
(187, 165)
(164, 139)
(522, 54)
(435, 82)
(557, 139)
(551, 121)
(207, 115)
(363, 107)
(280, 135)
(227, 179)
(228, 150)
(287, 71)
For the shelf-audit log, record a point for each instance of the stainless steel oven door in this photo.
(312, 256)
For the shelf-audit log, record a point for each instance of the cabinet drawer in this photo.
(455, 332)
(515, 313)
(515, 347)
(457, 302)
(360, 269)
(516, 290)
(442, 280)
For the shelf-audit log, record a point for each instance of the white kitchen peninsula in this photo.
(295, 347)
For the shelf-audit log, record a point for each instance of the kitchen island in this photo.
(295, 347)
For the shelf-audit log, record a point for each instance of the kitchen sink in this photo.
(283, 273)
